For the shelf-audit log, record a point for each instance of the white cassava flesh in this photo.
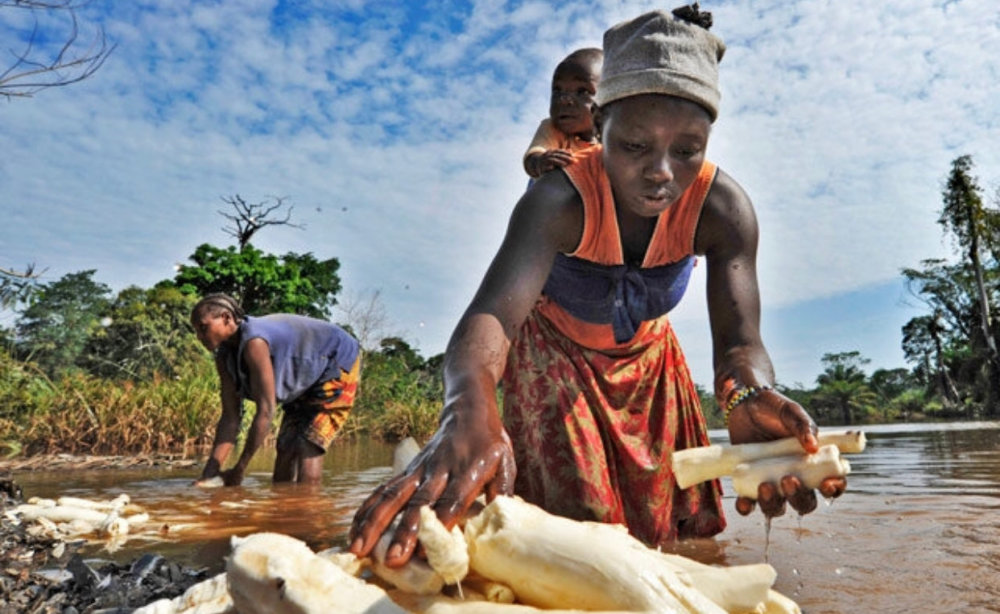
(344, 560)
(490, 590)
(440, 604)
(446, 550)
(120, 503)
(404, 452)
(696, 465)
(78, 520)
(512, 551)
(554, 562)
(811, 470)
(60, 513)
(416, 576)
(576, 567)
(207, 597)
(270, 573)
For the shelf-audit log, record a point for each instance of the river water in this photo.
(918, 530)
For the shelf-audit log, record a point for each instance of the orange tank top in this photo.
(592, 296)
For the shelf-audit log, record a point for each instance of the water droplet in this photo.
(767, 540)
(795, 571)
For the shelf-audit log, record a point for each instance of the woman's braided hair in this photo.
(216, 304)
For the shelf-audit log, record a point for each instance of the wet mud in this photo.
(42, 575)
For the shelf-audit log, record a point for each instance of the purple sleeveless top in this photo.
(621, 295)
(304, 351)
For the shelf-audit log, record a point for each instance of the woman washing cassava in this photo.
(311, 367)
(571, 318)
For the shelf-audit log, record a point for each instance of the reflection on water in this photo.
(917, 531)
(199, 522)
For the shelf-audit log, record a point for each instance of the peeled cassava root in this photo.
(208, 597)
(270, 573)
(767, 461)
(73, 516)
(553, 562)
(516, 552)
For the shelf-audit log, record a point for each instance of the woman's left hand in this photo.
(770, 415)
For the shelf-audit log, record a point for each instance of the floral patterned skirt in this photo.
(321, 411)
(593, 431)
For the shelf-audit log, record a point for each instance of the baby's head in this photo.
(574, 85)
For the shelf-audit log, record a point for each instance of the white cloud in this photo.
(839, 118)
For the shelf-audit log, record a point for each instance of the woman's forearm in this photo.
(256, 435)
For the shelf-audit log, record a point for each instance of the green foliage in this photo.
(53, 330)
(842, 366)
(400, 393)
(964, 213)
(954, 347)
(17, 286)
(143, 333)
(714, 418)
(87, 414)
(843, 395)
(888, 384)
(263, 283)
(910, 404)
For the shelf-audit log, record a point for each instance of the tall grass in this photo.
(85, 414)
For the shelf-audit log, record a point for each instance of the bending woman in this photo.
(309, 366)
(571, 317)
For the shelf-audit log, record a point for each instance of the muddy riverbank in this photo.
(45, 575)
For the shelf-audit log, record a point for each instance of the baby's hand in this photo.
(553, 159)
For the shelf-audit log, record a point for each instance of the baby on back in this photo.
(569, 128)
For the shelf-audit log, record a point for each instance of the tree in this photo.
(364, 315)
(17, 286)
(142, 333)
(923, 344)
(34, 69)
(966, 217)
(263, 283)
(843, 387)
(890, 383)
(53, 329)
(251, 217)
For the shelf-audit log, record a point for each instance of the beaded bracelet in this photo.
(742, 394)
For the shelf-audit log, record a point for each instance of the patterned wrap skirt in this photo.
(593, 431)
(321, 411)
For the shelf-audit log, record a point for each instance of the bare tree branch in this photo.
(251, 217)
(365, 314)
(27, 75)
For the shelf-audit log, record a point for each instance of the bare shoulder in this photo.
(550, 210)
(728, 220)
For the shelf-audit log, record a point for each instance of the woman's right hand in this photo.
(468, 455)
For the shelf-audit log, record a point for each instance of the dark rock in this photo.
(30, 578)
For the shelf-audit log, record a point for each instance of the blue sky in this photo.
(395, 131)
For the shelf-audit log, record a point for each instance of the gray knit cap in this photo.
(660, 53)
